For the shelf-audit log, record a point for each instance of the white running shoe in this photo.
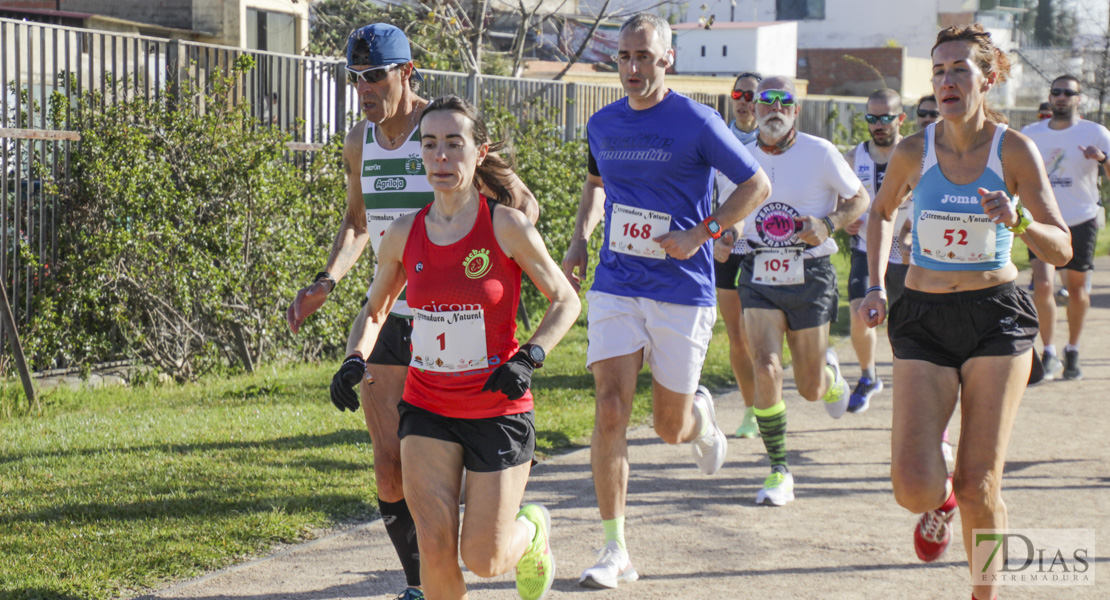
(946, 450)
(836, 398)
(709, 449)
(778, 489)
(613, 567)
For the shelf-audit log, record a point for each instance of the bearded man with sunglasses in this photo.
(1073, 149)
(787, 284)
(385, 181)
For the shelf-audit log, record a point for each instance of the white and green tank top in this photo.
(394, 184)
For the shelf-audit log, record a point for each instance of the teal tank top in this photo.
(950, 230)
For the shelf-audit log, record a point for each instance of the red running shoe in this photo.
(933, 533)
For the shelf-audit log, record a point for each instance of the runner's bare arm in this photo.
(349, 241)
(522, 242)
(901, 175)
(739, 204)
(389, 281)
(591, 210)
(1047, 236)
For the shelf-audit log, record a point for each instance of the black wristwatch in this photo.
(535, 354)
(327, 276)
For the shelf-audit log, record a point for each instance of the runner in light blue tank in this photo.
(950, 230)
(962, 330)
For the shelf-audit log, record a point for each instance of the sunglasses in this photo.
(930, 114)
(769, 97)
(745, 95)
(371, 75)
(884, 119)
(1068, 93)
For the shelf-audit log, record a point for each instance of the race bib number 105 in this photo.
(633, 230)
(778, 266)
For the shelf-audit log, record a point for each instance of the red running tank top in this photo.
(447, 287)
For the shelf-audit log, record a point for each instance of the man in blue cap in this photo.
(385, 180)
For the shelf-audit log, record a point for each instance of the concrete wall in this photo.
(167, 13)
(768, 48)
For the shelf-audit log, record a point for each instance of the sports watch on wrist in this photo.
(713, 227)
(535, 353)
(1024, 220)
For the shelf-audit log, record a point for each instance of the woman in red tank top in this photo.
(466, 402)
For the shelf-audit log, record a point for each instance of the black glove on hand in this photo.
(346, 379)
(512, 378)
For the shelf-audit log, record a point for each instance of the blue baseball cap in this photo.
(387, 45)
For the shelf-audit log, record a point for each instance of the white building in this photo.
(726, 49)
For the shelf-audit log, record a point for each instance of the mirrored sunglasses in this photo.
(1068, 93)
(745, 95)
(931, 114)
(371, 75)
(884, 119)
(783, 97)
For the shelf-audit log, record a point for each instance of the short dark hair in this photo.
(1067, 77)
(891, 97)
(1044, 106)
(748, 75)
(929, 98)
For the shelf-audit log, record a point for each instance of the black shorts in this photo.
(727, 272)
(394, 345)
(1083, 239)
(948, 329)
(805, 305)
(489, 445)
(859, 277)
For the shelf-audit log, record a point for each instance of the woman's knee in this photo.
(914, 489)
(978, 489)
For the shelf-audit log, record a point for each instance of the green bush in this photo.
(186, 234)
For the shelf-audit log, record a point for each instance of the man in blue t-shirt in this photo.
(652, 159)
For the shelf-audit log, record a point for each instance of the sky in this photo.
(1092, 15)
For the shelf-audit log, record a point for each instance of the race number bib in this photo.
(379, 219)
(632, 231)
(961, 238)
(449, 341)
(778, 266)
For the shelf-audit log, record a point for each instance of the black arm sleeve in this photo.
(591, 165)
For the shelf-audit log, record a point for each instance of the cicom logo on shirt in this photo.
(386, 184)
(477, 264)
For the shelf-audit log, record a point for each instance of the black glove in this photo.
(345, 381)
(512, 378)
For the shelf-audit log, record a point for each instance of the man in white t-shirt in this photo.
(787, 284)
(1073, 150)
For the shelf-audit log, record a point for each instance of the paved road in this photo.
(693, 536)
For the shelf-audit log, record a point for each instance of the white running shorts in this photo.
(675, 337)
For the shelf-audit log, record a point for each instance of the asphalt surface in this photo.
(696, 536)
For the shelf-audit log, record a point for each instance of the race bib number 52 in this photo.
(963, 238)
(633, 231)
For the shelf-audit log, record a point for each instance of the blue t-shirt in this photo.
(950, 230)
(661, 160)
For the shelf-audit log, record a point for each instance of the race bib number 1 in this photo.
(449, 341)
(962, 238)
(633, 229)
(778, 266)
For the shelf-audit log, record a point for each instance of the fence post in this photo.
(722, 107)
(570, 109)
(173, 72)
(472, 89)
(17, 346)
(340, 98)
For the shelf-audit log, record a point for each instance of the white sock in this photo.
(1070, 348)
(1050, 349)
(530, 526)
(701, 419)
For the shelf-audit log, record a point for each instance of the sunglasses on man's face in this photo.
(1068, 93)
(928, 114)
(884, 119)
(745, 95)
(371, 75)
(769, 97)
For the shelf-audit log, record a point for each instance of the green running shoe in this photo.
(748, 427)
(535, 572)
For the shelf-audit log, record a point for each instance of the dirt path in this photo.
(693, 536)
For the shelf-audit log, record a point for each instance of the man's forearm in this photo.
(346, 249)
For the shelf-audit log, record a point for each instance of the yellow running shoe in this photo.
(535, 572)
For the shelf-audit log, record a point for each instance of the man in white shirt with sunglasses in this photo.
(385, 180)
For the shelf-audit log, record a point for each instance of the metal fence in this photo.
(46, 70)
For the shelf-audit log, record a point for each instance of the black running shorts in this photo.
(394, 345)
(727, 272)
(805, 305)
(858, 278)
(489, 445)
(948, 329)
(1083, 239)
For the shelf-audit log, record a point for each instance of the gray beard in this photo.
(775, 130)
